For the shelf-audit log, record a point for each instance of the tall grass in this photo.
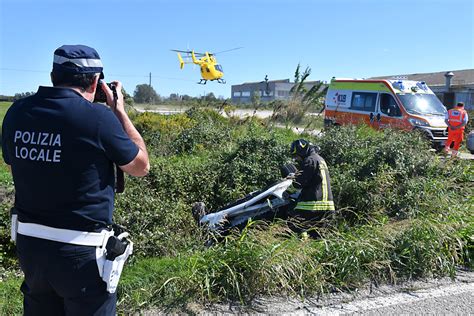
(275, 262)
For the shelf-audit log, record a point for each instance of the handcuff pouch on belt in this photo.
(111, 257)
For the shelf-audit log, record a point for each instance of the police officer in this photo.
(456, 119)
(315, 201)
(62, 148)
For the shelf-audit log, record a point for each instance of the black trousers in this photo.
(61, 279)
(308, 221)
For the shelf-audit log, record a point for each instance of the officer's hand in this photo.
(120, 105)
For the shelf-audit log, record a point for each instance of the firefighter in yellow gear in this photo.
(315, 202)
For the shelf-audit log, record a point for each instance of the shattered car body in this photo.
(270, 202)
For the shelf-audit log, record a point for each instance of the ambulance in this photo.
(379, 103)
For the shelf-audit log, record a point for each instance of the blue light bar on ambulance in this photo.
(399, 84)
(422, 85)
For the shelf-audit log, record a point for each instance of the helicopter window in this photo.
(207, 69)
(218, 68)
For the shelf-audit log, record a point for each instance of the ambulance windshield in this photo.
(422, 104)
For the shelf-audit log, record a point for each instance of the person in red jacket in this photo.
(456, 119)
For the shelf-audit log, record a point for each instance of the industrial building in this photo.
(267, 90)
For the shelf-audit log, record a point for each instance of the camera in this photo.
(100, 94)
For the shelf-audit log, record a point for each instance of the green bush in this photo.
(253, 164)
(378, 173)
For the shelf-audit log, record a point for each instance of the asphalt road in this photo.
(432, 296)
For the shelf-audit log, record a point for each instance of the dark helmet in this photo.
(300, 147)
(460, 104)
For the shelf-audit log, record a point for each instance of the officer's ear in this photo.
(93, 86)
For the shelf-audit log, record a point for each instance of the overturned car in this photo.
(269, 203)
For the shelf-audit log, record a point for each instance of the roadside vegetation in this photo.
(403, 213)
(5, 176)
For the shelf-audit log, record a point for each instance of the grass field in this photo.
(3, 109)
(5, 176)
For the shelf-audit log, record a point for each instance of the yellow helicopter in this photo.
(210, 69)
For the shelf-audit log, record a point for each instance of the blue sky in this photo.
(339, 38)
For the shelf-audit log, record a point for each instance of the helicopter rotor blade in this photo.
(225, 51)
(189, 52)
(180, 51)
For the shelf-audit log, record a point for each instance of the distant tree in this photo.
(174, 97)
(6, 98)
(210, 97)
(128, 100)
(145, 94)
(22, 95)
(186, 97)
(255, 99)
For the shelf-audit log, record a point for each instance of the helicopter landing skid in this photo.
(221, 81)
(202, 81)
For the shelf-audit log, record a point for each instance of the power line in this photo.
(109, 75)
(23, 70)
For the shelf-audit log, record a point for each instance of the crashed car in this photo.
(268, 203)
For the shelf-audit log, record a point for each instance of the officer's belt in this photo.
(68, 236)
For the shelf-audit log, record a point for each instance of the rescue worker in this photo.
(456, 119)
(315, 201)
(61, 148)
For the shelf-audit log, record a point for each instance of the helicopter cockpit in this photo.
(218, 68)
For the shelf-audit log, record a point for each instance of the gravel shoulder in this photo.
(429, 296)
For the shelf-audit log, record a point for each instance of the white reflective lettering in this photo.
(57, 156)
(39, 152)
(44, 140)
(57, 141)
(17, 136)
(33, 138)
(33, 150)
(23, 152)
(40, 155)
(48, 159)
(26, 137)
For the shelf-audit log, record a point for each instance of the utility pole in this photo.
(149, 80)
